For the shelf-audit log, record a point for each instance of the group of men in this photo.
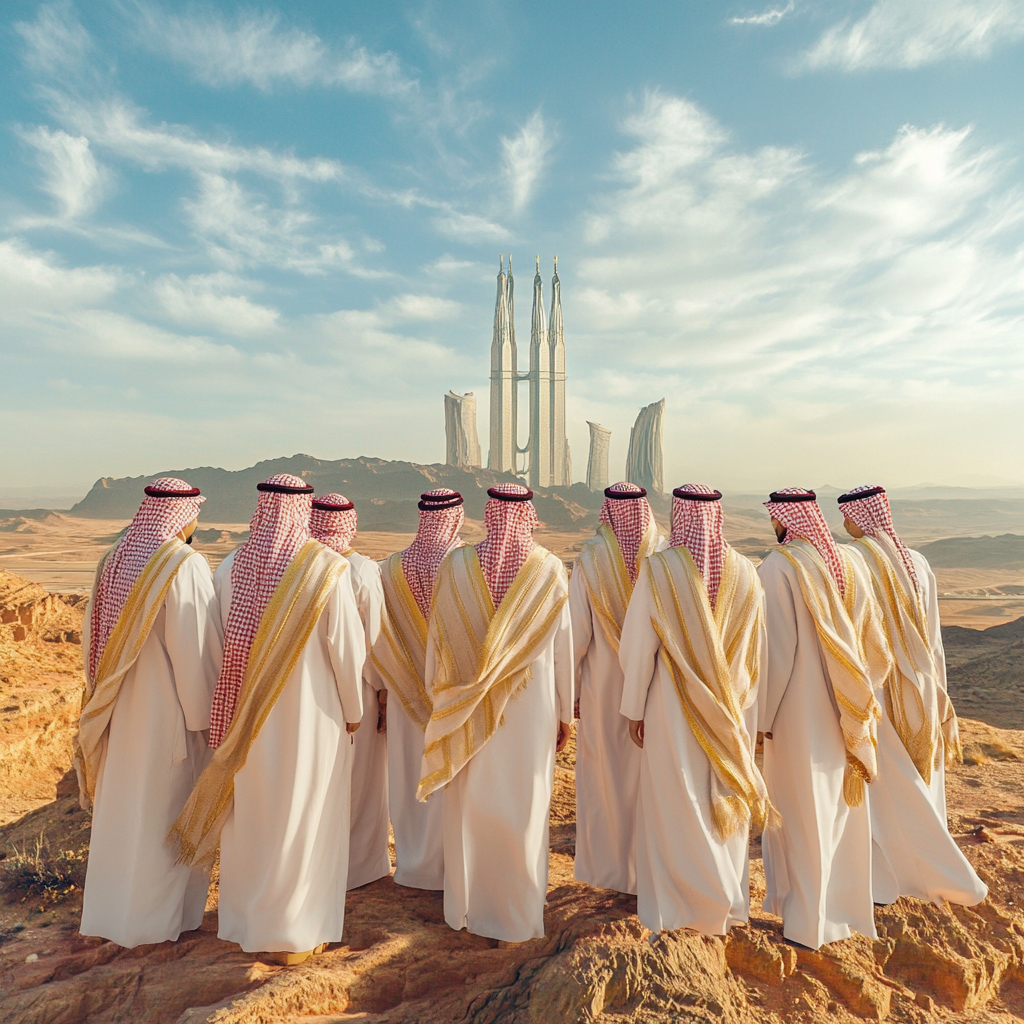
(286, 708)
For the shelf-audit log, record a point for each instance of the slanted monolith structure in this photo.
(462, 443)
(597, 463)
(645, 461)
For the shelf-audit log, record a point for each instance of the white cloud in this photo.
(33, 280)
(778, 298)
(771, 16)
(215, 301)
(524, 158)
(254, 48)
(467, 227)
(55, 43)
(70, 171)
(121, 128)
(422, 308)
(911, 33)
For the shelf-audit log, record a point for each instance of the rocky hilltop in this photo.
(399, 962)
(385, 492)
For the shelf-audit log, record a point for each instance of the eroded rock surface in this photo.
(401, 963)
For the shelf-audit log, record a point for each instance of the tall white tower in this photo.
(547, 450)
(560, 467)
(502, 454)
(540, 390)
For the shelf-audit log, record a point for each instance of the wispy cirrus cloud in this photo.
(769, 17)
(912, 33)
(770, 292)
(524, 158)
(256, 48)
(71, 174)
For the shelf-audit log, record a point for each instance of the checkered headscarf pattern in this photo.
(155, 523)
(873, 515)
(438, 533)
(629, 519)
(278, 529)
(805, 519)
(509, 540)
(336, 530)
(697, 526)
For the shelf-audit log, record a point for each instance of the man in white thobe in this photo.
(152, 656)
(913, 853)
(399, 657)
(607, 761)
(276, 791)
(334, 522)
(499, 675)
(691, 655)
(819, 714)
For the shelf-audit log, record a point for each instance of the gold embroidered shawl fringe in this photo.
(713, 658)
(917, 704)
(401, 649)
(855, 655)
(607, 578)
(483, 655)
(122, 650)
(284, 629)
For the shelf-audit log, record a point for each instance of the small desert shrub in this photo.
(39, 870)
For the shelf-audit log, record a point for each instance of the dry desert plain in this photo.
(398, 960)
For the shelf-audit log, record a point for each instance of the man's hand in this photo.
(382, 710)
(636, 732)
(563, 736)
(351, 726)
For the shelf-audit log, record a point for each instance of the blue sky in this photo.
(232, 232)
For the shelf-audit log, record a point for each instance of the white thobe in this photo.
(284, 847)
(369, 857)
(686, 876)
(419, 842)
(818, 863)
(496, 809)
(913, 853)
(154, 752)
(607, 760)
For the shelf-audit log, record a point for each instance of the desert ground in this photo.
(398, 960)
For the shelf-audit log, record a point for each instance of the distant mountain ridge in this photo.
(385, 493)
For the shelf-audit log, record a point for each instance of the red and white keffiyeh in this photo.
(800, 514)
(169, 506)
(334, 521)
(868, 507)
(629, 517)
(441, 518)
(697, 526)
(277, 531)
(510, 519)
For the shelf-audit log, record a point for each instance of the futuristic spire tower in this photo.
(547, 450)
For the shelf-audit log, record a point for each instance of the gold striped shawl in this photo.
(483, 656)
(122, 650)
(285, 627)
(608, 583)
(853, 647)
(713, 658)
(400, 652)
(916, 702)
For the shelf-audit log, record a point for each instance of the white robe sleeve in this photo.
(780, 649)
(346, 640)
(638, 651)
(369, 593)
(564, 666)
(192, 640)
(582, 620)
